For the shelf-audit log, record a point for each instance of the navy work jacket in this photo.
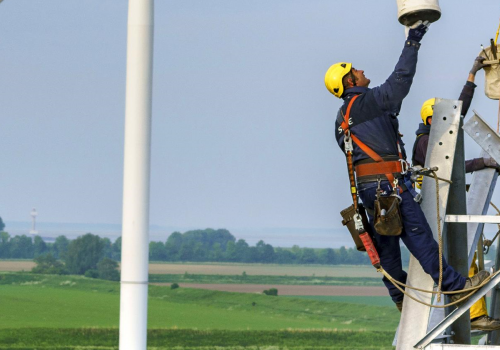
(373, 117)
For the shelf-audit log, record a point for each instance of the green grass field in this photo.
(73, 310)
(371, 301)
(266, 279)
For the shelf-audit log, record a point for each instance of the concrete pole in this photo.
(135, 222)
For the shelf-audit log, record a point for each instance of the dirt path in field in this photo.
(289, 289)
(16, 265)
(233, 269)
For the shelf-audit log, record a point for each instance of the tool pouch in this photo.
(387, 218)
(491, 75)
(347, 220)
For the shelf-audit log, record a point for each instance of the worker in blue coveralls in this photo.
(479, 319)
(373, 121)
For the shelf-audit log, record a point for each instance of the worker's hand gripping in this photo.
(417, 31)
(491, 163)
(478, 65)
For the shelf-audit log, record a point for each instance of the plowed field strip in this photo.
(234, 269)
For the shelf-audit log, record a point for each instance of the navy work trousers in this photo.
(418, 238)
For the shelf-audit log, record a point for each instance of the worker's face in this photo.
(361, 80)
(429, 120)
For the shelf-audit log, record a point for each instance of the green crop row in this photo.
(88, 338)
(263, 279)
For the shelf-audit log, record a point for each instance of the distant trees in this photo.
(21, 247)
(60, 247)
(84, 253)
(48, 264)
(107, 270)
(221, 246)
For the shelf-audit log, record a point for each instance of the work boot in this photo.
(399, 305)
(470, 282)
(485, 323)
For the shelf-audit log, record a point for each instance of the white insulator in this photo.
(411, 11)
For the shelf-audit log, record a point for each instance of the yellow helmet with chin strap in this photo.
(427, 109)
(334, 75)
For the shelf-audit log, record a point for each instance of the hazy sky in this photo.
(242, 123)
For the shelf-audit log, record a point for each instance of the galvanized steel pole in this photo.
(455, 235)
(135, 222)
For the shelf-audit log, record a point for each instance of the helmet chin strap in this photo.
(353, 79)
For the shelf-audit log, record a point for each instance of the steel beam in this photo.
(494, 337)
(452, 317)
(485, 219)
(484, 135)
(455, 236)
(478, 201)
(440, 153)
(460, 347)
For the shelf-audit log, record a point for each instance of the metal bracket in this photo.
(452, 317)
(484, 135)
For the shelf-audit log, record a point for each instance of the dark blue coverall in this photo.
(373, 119)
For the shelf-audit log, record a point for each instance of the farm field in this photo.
(289, 289)
(73, 310)
(233, 269)
(16, 265)
(267, 279)
(265, 269)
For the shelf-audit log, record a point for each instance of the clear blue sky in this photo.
(242, 122)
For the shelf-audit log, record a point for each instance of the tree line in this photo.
(207, 245)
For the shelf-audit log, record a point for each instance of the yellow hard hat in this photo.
(334, 75)
(427, 109)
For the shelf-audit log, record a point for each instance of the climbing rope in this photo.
(488, 242)
(399, 286)
(440, 237)
(472, 290)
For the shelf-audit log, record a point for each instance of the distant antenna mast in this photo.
(33, 230)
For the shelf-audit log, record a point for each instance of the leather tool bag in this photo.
(347, 220)
(387, 218)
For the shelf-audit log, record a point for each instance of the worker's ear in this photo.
(349, 81)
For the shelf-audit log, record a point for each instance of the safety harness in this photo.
(379, 167)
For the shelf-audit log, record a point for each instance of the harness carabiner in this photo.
(404, 166)
(348, 147)
(395, 190)
(358, 222)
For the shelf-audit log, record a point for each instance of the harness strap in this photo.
(372, 154)
(378, 168)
